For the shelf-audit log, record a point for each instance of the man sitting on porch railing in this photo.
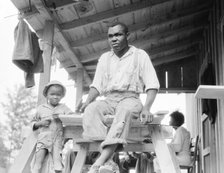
(121, 75)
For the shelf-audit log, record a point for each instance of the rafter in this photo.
(174, 57)
(175, 45)
(47, 15)
(159, 60)
(173, 17)
(153, 37)
(110, 13)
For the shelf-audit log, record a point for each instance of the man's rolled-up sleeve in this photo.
(98, 78)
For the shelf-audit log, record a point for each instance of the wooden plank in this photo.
(79, 86)
(85, 8)
(175, 45)
(174, 57)
(102, 5)
(174, 75)
(190, 72)
(143, 42)
(76, 119)
(135, 27)
(80, 159)
(168, 164)
(210, 92)
(110, 14)
(47, 15)
(206, 151)
(48, 36)
(23, 159)
(134, 147)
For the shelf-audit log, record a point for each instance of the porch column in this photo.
(47, 47)
(79, 85)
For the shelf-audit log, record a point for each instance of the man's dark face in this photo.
(117, 38)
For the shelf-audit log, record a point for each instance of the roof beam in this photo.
(90, 67)
(141, 43)
(175, 45)
(47, 15)
(160, 60)
(173, 17)
(174, 57)
(111, 13)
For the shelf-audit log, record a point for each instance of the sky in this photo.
(11, 75)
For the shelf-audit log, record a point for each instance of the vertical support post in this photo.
(79, 85)
(80, 159)
(23, 160)
(48, 37)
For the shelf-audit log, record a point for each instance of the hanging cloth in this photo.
(27, 54)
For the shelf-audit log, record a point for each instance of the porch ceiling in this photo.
(169, 30)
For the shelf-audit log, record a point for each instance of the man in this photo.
(121, 75)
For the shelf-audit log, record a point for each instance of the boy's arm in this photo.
(37, 122)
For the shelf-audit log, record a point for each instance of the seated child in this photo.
(180, 143)
(50, 129)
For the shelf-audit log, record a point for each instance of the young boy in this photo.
(50, 129)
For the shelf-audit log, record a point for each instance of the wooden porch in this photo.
(181, 36)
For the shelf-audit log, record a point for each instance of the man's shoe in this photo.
(109, 167)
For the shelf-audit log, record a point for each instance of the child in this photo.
(50, 129)
(180, 143)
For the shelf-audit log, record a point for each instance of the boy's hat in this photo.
(53, 82)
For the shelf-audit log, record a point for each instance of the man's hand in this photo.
(81, 106)
(146, 116)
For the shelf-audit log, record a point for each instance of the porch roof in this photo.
(171, 31)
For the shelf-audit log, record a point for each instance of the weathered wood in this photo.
(80, 159)
(132, 28)
(131, 146)
(210, 92)
(145, 42)
(23, 159)
(174, 57)
(79, 85)
(175, 45)
(110, 14)
(61, 38)
(48, 37)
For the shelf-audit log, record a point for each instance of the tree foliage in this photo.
(19, 107)
(4, 151)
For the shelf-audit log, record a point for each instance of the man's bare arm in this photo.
(145, 115)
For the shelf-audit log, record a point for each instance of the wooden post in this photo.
(79, 85)
(48, 37)
(80, 159)
(23, 160)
